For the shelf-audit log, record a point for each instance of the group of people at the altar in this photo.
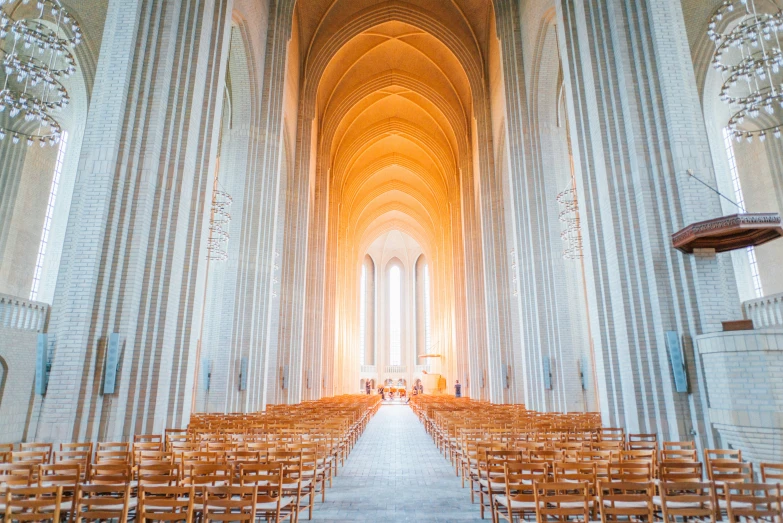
(391, 391)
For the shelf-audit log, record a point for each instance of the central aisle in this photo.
(395, 473)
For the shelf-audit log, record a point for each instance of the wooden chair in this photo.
(271, 484)
(679, 451)
(754, 502)
(491, 476)
(519, 498)
(771, 472)
(726, 475)
(688, 500)
(622, 501)
(33, 504)
(165, 503)
(67, 476)
(103, 502)
(560, 502)
(230, 503)
(579, 472)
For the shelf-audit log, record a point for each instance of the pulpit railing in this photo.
(765, 312)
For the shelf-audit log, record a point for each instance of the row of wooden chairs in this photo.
(184, 470)
(265, 498)
(481, 440)
(617, 501)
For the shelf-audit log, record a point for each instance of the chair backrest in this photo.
(208, 474)
(116, 446)
(688, 455)
(5, 452)
(102, 502)
(33, 504)
(33, 446)
(754, 502)
(78, 447)
(148, 438)
(75, 457)
(623, 501)
(687, 500)
(36, 457)
(630, 472)
(110, 473)
(611, 433)
(232, 503)
(160, 503)
(730, 472)
(678, 445)
(558, 501)
(16, 474)
(721, 456)
(162, 474)
(679, 471)
(771, 472)
(112, 456)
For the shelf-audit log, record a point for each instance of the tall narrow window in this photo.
(427, 306)
(58, 169)
(740, 199)
(395, 320)
(363, 315)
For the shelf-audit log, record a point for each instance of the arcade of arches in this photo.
(422, 192)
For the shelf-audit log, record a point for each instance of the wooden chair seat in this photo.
(516, 505)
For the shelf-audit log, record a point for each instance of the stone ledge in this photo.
(761, 340)
(747, 419)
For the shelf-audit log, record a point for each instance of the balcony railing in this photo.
(18, 313)
(395, 369)
(368, 368)
(765, 312)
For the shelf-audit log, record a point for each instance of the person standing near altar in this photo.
(457, 390)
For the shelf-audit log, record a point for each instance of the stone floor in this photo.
(395, 473)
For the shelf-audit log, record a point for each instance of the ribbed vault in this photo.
(393, 99)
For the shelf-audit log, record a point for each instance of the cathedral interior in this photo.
(393, 224)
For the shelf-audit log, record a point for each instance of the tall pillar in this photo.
(637, 129)
(134, 255)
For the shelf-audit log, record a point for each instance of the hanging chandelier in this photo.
(748, 55)
(217, 244)
(36, 53)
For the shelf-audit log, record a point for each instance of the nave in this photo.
(396, 473)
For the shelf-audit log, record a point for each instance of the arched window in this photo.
(363, 315)
(427, 308)
(395, 316)
(367, 312)
(423, 308)
(739, 198)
